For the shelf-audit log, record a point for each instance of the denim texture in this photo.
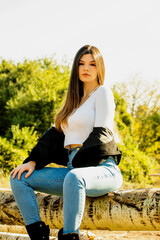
(74, 184)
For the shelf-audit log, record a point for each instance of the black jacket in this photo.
(96, 149)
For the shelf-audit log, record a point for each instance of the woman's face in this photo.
(87, 68)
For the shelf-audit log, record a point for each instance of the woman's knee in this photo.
(74, 177)
(15, 182)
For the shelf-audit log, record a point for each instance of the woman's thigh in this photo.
(98, 180)
(47, 180)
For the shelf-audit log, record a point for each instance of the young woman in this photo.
(82, 140)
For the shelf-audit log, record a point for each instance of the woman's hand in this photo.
(29, 167)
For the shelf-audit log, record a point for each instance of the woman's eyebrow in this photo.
(84, 61)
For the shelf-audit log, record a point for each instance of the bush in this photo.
(31, 93)
(13, 152)
(136, 165)
(10, 157)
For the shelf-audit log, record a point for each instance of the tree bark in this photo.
(123, 210)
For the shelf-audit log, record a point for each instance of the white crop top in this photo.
(97, 111)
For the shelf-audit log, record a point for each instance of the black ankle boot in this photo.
(38, 231)
(68, 236)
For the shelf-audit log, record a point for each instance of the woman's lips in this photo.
(85, 74)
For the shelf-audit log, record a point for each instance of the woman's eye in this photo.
(92, 64)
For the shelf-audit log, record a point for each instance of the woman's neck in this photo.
(88, 89)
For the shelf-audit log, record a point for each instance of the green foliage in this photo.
(31, 93)
(13, 152)
(136, 165)
(147, 131)
(23, 138)
(9, 156)
(143, 104)
(123, 119)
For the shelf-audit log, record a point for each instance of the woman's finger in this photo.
(20, 172)
(29, 173)
(12, 171)
(15, 171)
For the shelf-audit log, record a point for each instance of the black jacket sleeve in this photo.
(49, 149)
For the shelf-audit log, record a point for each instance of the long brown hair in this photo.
(75, 88)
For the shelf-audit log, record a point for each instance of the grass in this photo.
(4, 182)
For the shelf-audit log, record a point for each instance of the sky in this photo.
(127, 33)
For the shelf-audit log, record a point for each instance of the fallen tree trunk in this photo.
(120, 210)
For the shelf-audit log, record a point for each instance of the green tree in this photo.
(135, 165)
(15, 150)
(31, 93)
(143, 103)
(147, 131)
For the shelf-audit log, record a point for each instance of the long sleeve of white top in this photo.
(105, 109)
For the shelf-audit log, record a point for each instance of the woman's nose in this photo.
(86, 68)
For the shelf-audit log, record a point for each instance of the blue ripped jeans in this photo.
(73, 183)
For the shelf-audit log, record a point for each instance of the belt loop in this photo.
(75, 148)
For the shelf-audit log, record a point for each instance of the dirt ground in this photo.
(125, 235)
(115, 235)
(94, 235)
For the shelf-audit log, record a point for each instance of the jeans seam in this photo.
(44, 180)
(35, 202)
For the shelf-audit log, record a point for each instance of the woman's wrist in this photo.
(33, 163)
